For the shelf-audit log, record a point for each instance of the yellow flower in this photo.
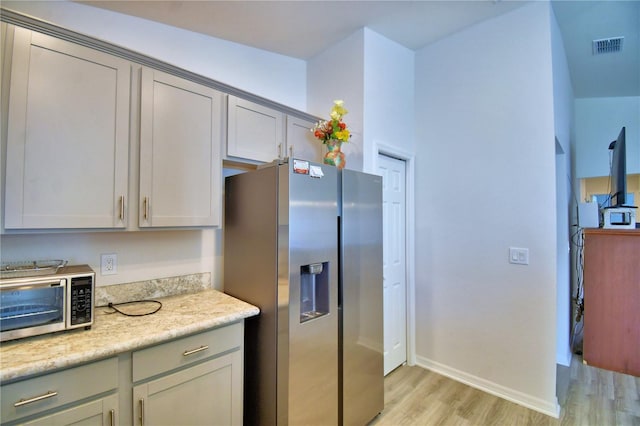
(334, 128)
(338, 110)
(342, 135)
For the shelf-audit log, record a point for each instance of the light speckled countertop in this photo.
(112, 334)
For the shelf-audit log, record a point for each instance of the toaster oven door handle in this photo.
(49, 394)
(33, 284)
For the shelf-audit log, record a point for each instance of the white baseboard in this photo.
(549, 408)
(564, 357)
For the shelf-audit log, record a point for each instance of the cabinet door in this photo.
(68, 135)
(51, 392)
(300, 141)
(102, 412)
(206, 394)
(254, 132)
(180, 158)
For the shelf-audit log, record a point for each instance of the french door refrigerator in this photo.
(303, 242)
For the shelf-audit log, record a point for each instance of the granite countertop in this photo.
(113, 333)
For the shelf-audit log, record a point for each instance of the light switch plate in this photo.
(519, 256)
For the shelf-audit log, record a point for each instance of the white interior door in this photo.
(393, 172)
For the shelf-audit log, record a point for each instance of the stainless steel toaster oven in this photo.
(33, 305)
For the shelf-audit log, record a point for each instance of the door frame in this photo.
(381, 148)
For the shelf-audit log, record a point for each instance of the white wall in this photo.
(563, 125)
(485, 150)
(389, 97)
(141, 255)
(598, 122)
(337, 73)
(155, 254)
(375, 78)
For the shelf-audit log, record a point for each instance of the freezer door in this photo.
(362, 376)
(250, 274)
(312, 365)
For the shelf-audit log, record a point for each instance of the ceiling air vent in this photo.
(607, 45)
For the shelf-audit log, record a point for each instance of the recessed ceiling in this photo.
(302, 29)
(601, 75)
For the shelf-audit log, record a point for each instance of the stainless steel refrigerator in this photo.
(303, 242)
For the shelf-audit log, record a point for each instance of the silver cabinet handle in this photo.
(280, 150)
(195, 351)
(122, 207)
(49, 394)
(291, 151)
(141, 411)
(145, 208)
(112, 417)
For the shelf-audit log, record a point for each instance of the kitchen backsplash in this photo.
(150, 289)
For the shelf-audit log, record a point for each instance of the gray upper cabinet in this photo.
(301, 143)
(254, 132)
(180, 152)
(78, 122)
(68, 130)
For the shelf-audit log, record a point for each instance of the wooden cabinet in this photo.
(87, 393)
(612, 300)
(254, 132)
(193, 380)
(300, 141)
(180, 157)
(68, 130)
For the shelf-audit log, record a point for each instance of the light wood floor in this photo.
(594, 397)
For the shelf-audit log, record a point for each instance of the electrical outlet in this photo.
(519, 256)
(109, 264)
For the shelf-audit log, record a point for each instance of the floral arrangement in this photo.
(334, 128)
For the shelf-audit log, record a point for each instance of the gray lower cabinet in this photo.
(81, 395)
(206, 394)
(197, 380)
(101, 412)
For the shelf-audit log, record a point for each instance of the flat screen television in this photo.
(619, 170)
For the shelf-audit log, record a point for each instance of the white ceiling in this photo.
(303, 28)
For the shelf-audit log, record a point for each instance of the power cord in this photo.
(576, 343)
(579, 298)
(115, 309)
